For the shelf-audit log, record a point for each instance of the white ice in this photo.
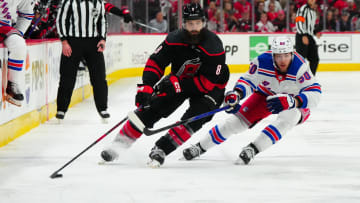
(318, 161)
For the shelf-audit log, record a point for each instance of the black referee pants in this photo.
(310, 51)
(82, 48)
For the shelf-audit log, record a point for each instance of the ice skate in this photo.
(13, 94)
(60, 115)
(193, 151)
(104, 116)
(157, 157)
(118, 145)
(247, 154)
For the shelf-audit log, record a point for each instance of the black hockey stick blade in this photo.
(56, 174)
(148, 132)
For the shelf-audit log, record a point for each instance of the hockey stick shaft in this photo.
(147, 26)
(148, 132)
(96, 141)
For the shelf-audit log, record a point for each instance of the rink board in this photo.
(125, 59)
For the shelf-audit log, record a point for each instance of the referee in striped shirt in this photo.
(81, 25)
(305, 27)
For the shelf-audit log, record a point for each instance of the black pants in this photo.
(310, 51)
(82, 48)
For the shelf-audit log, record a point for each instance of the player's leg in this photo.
(96, 66)
(16, 80)
(176, 136)
(271, 134)
(252, 111)
(160, 107)
(68, 71)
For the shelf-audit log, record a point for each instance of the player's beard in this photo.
(191, 37)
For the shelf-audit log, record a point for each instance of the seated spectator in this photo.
(159, 23)
(344, 24)
(357, 26)
(229, 16)
(211, 16)
(280, 22)
(242, 6)
(272, 14)
(351, 8)
(276, 4)
(211, 10)
(264, 25)
(259, 9)
(292, 25)
(341, 4)
(330, 22)
(244, 23)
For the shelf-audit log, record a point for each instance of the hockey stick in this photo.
(147, 26)
(56, 174)
(148, 132)
(38, 20)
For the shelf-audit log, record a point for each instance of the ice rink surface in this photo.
(318, 161)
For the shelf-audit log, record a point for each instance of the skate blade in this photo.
(153, 164)
(105, 120)
(182, 159)
(239, 162)
(60, 121)
(12, 101)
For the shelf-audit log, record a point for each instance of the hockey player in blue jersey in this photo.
(278, 82)
(15, 18)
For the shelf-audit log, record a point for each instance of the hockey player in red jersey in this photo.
(21, 13)
(198, 74)
(278, 82)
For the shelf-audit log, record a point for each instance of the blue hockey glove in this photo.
(280, 102)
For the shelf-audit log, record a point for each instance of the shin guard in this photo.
(174, 138)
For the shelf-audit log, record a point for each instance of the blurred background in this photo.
(222, 16)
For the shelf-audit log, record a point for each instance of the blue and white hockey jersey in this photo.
(298, 82)
(19, 11)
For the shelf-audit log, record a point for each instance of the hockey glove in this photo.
(143, 95)
(169, 86)
(127, 16)
(280, 102)
(232, 98)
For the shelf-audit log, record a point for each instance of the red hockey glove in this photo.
(232, 98)
(127, 16)
(169, 86)
(280, 102)
(143, 95)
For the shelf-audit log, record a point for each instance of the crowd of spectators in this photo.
(234, 16)
(270, 15)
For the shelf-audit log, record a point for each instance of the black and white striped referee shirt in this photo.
(81, 19)
(305, 20)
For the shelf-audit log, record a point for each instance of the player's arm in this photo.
(25, 11)
(309, 89)
(153, 72)
(247, 83)
(308, 97)
(125, 13)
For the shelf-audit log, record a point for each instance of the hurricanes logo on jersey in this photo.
(189, 68)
